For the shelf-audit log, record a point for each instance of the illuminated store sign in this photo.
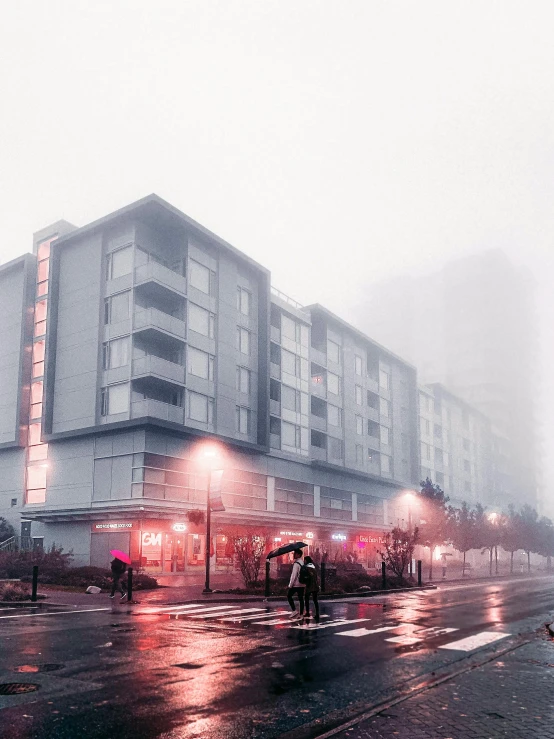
(338, 537)
(150, 539)
(112, 526)
(179, 527)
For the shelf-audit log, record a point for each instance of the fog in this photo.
(337, 143)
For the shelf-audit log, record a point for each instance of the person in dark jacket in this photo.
(118, 570)
(312, 587)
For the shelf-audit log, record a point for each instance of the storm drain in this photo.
(17, 688)
(48, 667)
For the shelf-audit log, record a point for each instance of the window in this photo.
(335, 449)
(13, 502)
(373, 429)
(120, 263)
(372, 400)
(200, 364)
(243, 420)
(36, 477)
(290, 363)
(274, 389)
(243, 340)
(425, 451)
(37, 390)
(359, 425)
(201, 321)
(358, 365)
(290, 399)
(334, 415)
(201, 408)
(38, 358)
(384, 380)
(116, 353)
(244, 301)
(115, 399)
(275, 426)
(290, 435)
(438, 432)
(333, 351)
(359, 395)
(424, 426)
(385, 435)
(385, 464)
(275, 354)
(243, 381)
(291, 329)
(359, 455)
(384, 407)
(439, 477)
(40, 317)
(446, 459)
(117, 307)
(201, 277)
(333, 383)
(439, 458)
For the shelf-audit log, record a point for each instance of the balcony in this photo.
(318, 388)
(318, 356)
(373, 414)
(318, 453)
(159, 278)
(276, 334)
(152, 321)
(152, 366)
(318, 423)
(156, 409)
(374, 443)
(372, 384)
(275, 407)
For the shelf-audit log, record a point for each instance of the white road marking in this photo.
(405, 639)
(279, 621)
(163, 609)
(365, 632)
(476, 641)
(272, 614)
(55, 613)
(224, 613)
(435, 631)
(177, 614)
(314, 627)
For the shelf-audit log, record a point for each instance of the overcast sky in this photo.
(338, 143)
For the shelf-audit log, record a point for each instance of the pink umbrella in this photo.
(118, 554)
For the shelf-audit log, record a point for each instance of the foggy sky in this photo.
(338, 143)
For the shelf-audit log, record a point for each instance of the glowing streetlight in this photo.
(210, 456)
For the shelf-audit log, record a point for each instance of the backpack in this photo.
(305, 575)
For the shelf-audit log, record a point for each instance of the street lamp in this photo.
(210, 456)
(493, 518)
(409, 497)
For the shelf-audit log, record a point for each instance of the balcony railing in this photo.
(286, 299)
(158, 367)
(154, 272)
(152, 318)
(318, 453)
(157, 409)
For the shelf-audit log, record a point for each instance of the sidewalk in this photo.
(510, 698)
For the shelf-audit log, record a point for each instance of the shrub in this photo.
(82, 577)
(13, 591)
(20, 564)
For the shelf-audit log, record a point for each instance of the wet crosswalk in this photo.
(395, 634)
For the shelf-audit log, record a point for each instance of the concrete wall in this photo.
(12, 480)
(75, 391)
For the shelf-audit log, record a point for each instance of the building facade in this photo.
(472, 328)
(130, 344)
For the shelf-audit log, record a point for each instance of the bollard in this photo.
(267, 566)
(130, 585)
(35, 584)
(419, 573)
(384, 575)
(323, 577)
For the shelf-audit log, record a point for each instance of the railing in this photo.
(9, 545)
(286, 299)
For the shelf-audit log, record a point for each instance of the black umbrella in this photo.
(286, 549)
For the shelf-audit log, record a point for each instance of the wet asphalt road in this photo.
(232, 673)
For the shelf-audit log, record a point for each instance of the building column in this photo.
(270, 493)
(317, 493)
(354, 507)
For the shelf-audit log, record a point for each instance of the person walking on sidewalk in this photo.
(295, 586)
(118, 570)
(312, 586)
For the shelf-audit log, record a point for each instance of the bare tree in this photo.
(399, 548)
(434, 523)
(249, 550)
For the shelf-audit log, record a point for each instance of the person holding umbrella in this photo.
(118, 567)
(295, 586)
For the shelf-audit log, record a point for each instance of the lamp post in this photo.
(210, 456)
(409, 497)
(493, 518)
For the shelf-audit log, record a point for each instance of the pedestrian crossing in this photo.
(406, 634)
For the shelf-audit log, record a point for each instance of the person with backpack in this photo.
(312, 585)
(296, 585)
(118, 570)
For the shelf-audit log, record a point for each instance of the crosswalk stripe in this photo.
(273, 614)
(280, 621)
(224, 613)
(365, 632)
(177, 614)
(164, 609)
(314, 627)
(415, 637)
(474, 642)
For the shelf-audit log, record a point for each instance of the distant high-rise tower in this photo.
(471, 326)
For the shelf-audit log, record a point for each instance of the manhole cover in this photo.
(49, 667)
(17, 688)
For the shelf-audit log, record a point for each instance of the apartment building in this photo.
(133, 345)
(471, 327)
